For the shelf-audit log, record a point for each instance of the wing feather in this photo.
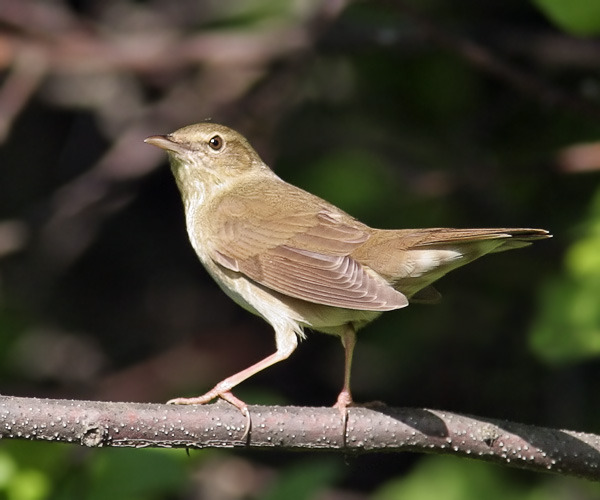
(302, 250)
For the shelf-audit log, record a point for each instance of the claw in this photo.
(344, 400)
(227, 396)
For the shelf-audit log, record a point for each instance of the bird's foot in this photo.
(216, 392)
(344, 400)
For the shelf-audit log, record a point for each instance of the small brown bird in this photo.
(298, 261)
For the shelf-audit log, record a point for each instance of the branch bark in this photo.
(219, 425)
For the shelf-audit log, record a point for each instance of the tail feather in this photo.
(519, 238)
(516, 236)
(444, 250)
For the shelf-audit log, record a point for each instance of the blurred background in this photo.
(405, 114)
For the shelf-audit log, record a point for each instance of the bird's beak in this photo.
(166, 143)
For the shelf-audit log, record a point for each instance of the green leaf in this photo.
(121, 474)
(578, 17)
(8, 469)
(304, 480)
(29, 485)
(354, 180)
(567, 327)
(451, 479)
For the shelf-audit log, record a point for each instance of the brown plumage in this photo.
(299, 261)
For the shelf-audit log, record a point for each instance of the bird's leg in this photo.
(223, 388)
(286, 341)
(348, 341)
(345, 396)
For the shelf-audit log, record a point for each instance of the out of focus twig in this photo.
(23, 80)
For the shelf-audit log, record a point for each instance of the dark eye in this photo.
(216, 142)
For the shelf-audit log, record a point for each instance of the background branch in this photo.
(219, 425)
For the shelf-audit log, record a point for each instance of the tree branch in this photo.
(487, 60)
(220, 425)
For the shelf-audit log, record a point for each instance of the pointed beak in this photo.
(166, 143)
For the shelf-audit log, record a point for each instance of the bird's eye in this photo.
(216, 142)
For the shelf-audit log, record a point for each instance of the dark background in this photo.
(460, 114)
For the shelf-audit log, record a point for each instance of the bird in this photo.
(298, 261)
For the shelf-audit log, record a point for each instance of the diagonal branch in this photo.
(488, 61)
(91, 423)
(24, 79)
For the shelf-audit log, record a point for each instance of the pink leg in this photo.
(223, 388)
(345, 397)
(286, 344)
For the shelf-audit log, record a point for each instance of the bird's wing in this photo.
(298, 245)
